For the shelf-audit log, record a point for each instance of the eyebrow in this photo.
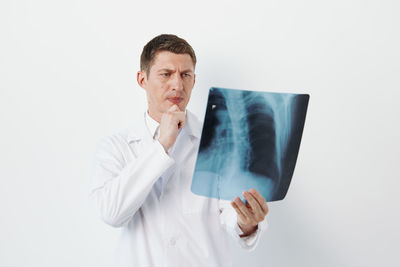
(170, 70)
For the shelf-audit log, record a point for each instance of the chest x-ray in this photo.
(250, 139)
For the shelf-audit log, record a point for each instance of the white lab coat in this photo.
(139, 187)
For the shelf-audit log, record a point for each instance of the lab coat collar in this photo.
(139, 130)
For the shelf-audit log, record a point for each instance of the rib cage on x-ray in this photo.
(245, 141)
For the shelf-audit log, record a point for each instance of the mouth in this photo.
(175, 100)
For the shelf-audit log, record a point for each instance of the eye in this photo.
(186, 75)
(166, 74)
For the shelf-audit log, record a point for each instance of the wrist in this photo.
(248, 230)
(161, 141)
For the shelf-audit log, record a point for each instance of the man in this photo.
(142, 176)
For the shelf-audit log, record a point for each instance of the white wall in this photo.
(67, 78)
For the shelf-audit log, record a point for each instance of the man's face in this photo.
(170, 82)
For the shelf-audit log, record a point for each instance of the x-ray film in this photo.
(250, 139)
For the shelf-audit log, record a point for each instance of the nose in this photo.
(177, 82)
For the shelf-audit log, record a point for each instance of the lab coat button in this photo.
(172, 241)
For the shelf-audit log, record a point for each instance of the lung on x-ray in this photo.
(250, 139)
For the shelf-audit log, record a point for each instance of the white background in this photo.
(68, 78)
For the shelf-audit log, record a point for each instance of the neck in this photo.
(154, 116)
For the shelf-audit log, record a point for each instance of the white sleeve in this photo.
(118, 188)
(228, 219)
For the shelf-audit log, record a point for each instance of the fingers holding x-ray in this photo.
(249, 215)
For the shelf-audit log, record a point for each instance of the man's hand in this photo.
(171, 122)
(249, 215)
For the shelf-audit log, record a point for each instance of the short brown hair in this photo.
(164, 42)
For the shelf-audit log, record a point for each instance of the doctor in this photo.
(142, 176)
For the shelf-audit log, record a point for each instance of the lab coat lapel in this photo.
(183, 146)
(140, 134)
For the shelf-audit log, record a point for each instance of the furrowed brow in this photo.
(165, 70)
(187, 71)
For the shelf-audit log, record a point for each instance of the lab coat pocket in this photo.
(193, 204)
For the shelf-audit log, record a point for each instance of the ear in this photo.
(194, 79)
(142, 79)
